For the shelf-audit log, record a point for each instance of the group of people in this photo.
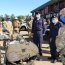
(11, 27)
(38, 29)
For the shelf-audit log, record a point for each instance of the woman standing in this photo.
(54, 28)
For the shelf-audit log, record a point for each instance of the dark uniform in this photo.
(53, 33)
(38, 30)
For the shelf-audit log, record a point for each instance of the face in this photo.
(55, 20)
(38, 15)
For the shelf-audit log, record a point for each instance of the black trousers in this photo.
(39, 47)
(53, 47)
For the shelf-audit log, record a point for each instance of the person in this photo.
(16, 25)
(29, 23)
(60, 41)
(54, 28)
(7, 26)
(1, 26)
(38, 31)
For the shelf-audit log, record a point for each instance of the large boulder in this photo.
(22, 51)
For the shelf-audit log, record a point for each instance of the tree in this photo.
(1, 18)
(6, 16)
(12, 17)
(27, 18)
(21, 17)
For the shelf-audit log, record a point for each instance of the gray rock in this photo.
(23, 51)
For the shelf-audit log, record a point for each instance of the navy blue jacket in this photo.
(38, 25)
(38, 30)
(54, 29)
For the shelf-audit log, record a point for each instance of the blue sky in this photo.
(19, 7)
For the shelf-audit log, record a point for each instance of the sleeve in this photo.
(50, 25)
(60, 25)
(33, 26)
(43, 26)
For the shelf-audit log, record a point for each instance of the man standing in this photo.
(16, 25)
(29, 23)
(7, 26)
(38, 30)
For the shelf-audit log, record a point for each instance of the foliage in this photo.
(12, 17)
(1, 18)
(21, 18)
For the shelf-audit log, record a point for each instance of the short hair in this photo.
(37, 12)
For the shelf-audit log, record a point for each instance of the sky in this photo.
(19, 7)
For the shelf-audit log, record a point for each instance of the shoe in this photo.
(53, 61)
